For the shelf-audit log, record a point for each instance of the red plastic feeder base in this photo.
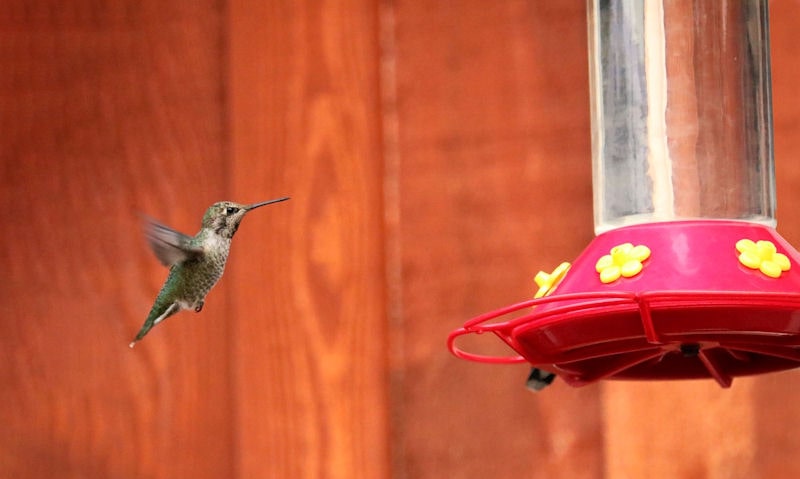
(676, 300)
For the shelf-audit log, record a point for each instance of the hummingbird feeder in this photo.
(687, 277)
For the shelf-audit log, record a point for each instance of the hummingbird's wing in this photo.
(169, 246)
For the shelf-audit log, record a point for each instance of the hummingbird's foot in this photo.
(199, 307)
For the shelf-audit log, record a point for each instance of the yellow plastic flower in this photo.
(547, 282)
(625, 260)
(763, 256)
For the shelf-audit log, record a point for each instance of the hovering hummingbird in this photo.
(196, 263)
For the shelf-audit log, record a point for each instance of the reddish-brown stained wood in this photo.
(784, 20)
(310, 336)
(321, 353)
(107, 110)
(494, 184)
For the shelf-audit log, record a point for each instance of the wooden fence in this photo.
(437, 155)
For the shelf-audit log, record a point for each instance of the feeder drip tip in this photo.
(539, 379)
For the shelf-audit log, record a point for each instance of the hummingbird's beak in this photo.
(263, 203)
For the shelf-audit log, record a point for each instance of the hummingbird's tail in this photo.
(157, 314)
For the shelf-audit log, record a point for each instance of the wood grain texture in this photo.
(493, 184)
(310, 370)
(437, 155)
(108, 109)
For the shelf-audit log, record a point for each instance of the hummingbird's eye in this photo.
(231, 210)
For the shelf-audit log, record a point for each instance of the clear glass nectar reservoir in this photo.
(681, 111)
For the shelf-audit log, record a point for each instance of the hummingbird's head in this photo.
(224, 217)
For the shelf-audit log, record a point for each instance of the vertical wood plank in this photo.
(776, 438)
(493, 175)
(108, 109)
(680, 429)
(310, 330)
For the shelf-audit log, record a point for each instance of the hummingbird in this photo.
(195, 263)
